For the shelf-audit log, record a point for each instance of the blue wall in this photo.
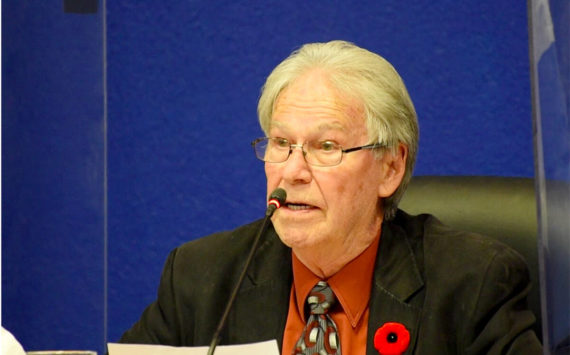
(184, 79)
(53, 249)
(183, 82)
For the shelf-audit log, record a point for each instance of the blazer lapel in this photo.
(396, 292)
(260, 309)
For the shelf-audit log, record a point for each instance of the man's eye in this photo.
(281, 143)
(327, 146)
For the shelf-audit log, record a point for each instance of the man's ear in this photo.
(393, 170)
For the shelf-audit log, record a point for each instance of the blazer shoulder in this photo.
(440, 239)
(446, 255)
(429, 231)
(233, 240)
(475, 287)
(219, 255)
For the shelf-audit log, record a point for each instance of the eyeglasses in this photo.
(320, 153)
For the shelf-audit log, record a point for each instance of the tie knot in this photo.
(321, 298)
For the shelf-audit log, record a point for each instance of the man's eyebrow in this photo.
(331, 125)
(321, 127)
(285, 128)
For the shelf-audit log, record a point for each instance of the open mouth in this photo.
(298, 206)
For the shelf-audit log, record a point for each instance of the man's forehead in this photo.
(323, 125)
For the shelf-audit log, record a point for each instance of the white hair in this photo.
(354, 71)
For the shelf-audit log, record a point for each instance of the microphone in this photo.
(276, 200)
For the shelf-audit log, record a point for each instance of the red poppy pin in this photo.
(391, 339)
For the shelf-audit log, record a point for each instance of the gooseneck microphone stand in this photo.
(276, 199)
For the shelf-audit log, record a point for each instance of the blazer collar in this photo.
(397, 282)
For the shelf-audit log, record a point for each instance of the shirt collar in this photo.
(351, 284)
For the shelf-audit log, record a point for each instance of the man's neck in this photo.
(325, 261)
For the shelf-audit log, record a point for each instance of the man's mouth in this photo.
(298, 206)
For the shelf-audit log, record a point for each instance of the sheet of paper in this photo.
(264, 348)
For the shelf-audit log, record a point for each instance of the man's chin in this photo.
(293, 238)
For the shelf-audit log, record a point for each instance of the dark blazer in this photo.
(456, 292)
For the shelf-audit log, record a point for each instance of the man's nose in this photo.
(296, 146)
(296, 167)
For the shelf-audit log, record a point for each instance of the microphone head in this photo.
(276, 200)
(278, 194)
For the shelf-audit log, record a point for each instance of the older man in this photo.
(342, 270)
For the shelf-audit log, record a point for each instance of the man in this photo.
(341, 139)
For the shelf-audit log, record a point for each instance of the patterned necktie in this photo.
(320, 335)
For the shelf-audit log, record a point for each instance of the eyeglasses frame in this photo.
(292, 146)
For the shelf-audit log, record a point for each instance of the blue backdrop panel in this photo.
(52, 176)
(551, 99)
(184, 78)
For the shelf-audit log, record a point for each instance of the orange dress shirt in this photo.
(351, 286)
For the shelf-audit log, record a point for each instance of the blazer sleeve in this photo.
(159, 323)
(501, 322)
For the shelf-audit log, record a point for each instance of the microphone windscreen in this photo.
(278, 194)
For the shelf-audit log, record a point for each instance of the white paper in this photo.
(264, 348)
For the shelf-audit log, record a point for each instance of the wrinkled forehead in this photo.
(321, 126)
(312, 101)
